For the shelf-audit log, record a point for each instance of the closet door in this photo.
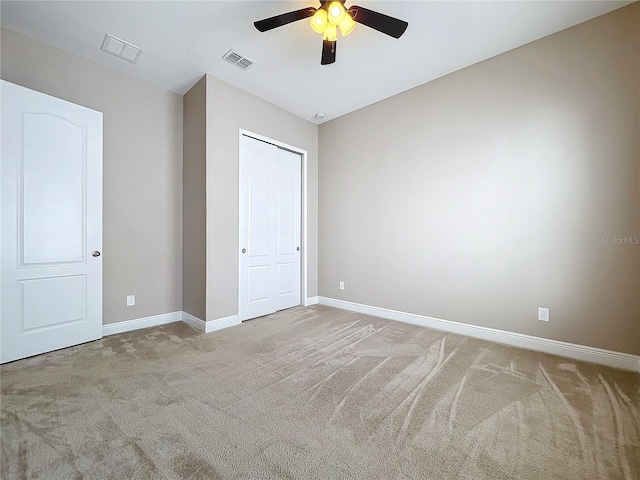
(270, 212)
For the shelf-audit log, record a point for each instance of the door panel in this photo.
(51, 191)
(51, 167)
(256, 214)
(260, 217)
(258, 283)
(287, 292)
(286, 278)
(41, 307)
(286, 209)
(270, 196)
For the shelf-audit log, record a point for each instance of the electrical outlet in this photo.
(131, 300)
(341, 285)
(543, 314)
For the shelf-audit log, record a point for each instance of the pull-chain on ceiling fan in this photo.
(331, 16)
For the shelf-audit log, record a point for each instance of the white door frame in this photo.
(304, 214)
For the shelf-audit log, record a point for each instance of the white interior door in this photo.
(270, 212)
(51, 238)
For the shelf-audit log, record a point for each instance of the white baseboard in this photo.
(609, 358)
(311, 301)
(138, 323)
(155, 320)
(220, 323)
(211, 325)
(194, 322)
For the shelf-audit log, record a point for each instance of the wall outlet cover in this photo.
(543, 314)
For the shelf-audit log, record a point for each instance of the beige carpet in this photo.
(315, 393)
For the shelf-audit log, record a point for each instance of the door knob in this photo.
(298, 249)
(244, 250)
(95, 253)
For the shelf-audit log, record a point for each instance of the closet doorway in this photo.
(271, 252)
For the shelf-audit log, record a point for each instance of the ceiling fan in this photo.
(332, 15)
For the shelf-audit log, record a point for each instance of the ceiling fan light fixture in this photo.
(336, 13)
(347, 25)
(319, 20)
(331, 16)
(327, 20)
(330, 33)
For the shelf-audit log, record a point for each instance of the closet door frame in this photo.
(304, 257)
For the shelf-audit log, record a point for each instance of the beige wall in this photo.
(142, 212)
(194, 220)
(484, 194)
(228, 109)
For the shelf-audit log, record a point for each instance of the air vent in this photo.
(238, 60)
(121, 49)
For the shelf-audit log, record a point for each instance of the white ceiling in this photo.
(182, 40)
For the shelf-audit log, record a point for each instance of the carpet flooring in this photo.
(315, 393)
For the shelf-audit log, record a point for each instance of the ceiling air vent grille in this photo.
(120, 48)
(238, 60)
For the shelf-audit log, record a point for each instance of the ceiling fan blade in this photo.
(283, 19)
(328, 52)
(379, 21)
